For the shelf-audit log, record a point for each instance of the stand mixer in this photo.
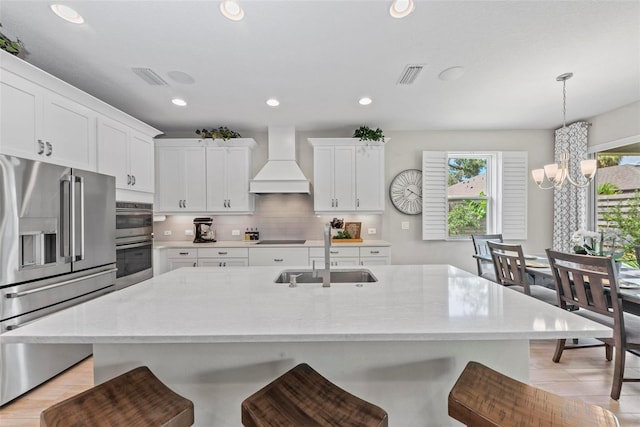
(204, 232)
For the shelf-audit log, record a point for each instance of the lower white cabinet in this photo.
(339, 256)
(375, 255)
(223, 257)
(278, 256)
(177, 258)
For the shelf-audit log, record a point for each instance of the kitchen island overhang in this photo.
(216, 335)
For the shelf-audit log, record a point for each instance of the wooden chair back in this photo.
(481, 248)
(588, 282)
(509, 264)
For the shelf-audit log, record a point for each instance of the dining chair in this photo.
(510, 270)
(591, 284)
(485, 268)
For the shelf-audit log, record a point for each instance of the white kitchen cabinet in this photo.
(348, 175)
(39, 124)
(181, 257)
(223, 257)
(228, 174)
(181, 176)
(125, 154)
(44, 118)
(334, 178)
(375, 255)
(370, 191)
(278, 256)
(339, 256)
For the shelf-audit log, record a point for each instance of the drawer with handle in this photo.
(182, 253)
(223, 252)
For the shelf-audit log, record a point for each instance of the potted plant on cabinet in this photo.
(222, 132)
(365, 133)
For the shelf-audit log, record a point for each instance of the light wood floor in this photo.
(582, 374)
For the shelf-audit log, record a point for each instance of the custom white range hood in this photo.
(281, 173)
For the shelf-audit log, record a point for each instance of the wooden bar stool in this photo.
(483, 397)
(303, 397)
(135, 398)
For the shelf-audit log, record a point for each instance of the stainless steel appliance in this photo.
(57, 238)
(204, 230)
(134, 243)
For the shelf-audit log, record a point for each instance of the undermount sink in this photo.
(356, 275)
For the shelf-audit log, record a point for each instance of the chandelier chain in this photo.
(564, 103)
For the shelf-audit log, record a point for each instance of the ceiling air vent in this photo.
(409, 74)
(150, 76)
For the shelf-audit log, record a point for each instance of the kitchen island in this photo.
(218, 335)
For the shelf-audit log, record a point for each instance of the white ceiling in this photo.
(319, 57)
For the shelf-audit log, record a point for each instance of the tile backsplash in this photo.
(277, 216)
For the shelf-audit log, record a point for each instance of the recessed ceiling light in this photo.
(232, 10)
(452, 73)
(272, 102)
(365, 100)
(67, 13)
(401, 8)
(179, 102)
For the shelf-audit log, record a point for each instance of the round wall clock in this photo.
(405, 191)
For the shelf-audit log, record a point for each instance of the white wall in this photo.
(405, 151)
(621, 123)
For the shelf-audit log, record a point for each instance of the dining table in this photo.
(537, 267)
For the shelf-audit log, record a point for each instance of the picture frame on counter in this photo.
(353, 228)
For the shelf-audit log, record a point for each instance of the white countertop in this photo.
(254, 244)
(243, 304)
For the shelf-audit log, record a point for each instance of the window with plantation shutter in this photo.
(466, 193)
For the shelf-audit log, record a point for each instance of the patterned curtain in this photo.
(569, 202)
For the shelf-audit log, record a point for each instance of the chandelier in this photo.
(558, 174)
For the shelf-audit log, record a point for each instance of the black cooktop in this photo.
(281, 242)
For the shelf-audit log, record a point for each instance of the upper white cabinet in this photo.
(180, 176)
(228, 174)
(39, 124)
(348, 175)
(44, 118)
(125, 154)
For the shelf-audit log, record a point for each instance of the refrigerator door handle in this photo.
(67, 216)
(57, 285)
(80, 257)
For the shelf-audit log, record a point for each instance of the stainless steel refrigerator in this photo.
(57, 249)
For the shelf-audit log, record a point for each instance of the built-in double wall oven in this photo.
(134, 243)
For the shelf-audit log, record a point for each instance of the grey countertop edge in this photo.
(169, 244)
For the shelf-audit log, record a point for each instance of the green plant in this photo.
(625, 218)
(222, 132)
(467, 215)
(342, 234)
(365, 133)
(607, 188)
(13, 47)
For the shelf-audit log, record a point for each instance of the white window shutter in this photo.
(434, 195)
(513, 195)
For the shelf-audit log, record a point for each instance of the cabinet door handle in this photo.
(228, 203)
(133, 180)
(374, 252)
(179, 203)
(40, 146)
(336, 203)
(357, 203)
(224, 264)
(128, 179)
(184, 203)
(278, 259)
(184, 253)
(333, 203)
(220, 264)
(49, 149)
(195, 264)
(222, 253)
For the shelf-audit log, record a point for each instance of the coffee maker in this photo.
(204, 231)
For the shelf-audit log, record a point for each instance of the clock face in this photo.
(405, 191)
